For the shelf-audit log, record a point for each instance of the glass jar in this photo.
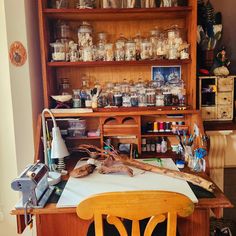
(126, 100)
(76, 98)
(112, 4)
(109, 53)
(102, 40)
(73, 52)
(118, 99)
(85, 37)
(87, 54)
(62, 30)
(64, 87)
(81, 4)
(151, 96)
(138, 40)
(161, 48)
(167, 98)
(153, 38)
(58, 4)
(134, 98)
(120, 48)
(146, 49)
(124, 86)
(142, 98)
(172, 53)
(102, 100)
(159, 100)
(59, 51)
(130, 51)
(148, 4)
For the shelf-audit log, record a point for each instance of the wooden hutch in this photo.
(123, 121)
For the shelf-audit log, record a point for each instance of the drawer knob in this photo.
(208, 113)
(225, 98)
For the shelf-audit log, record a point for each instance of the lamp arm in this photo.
(44, 133)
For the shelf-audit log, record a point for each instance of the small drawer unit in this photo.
(216, 97)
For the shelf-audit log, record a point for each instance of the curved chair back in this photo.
(135, 206)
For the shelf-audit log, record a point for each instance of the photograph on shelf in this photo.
(166, 74)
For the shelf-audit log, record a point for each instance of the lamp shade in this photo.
(59, 149)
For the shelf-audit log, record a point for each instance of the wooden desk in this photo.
(53, 221)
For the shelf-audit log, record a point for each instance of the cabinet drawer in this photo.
(225, 84)
(224, 98)
(225, 112)
(208, 113)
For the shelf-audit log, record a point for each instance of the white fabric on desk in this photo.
(77, 189)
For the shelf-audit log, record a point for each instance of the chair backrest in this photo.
(135, 206)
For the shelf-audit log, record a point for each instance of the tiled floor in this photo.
(230, 192)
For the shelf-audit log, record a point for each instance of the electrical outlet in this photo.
(1, 216)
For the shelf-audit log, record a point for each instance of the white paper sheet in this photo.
(77, 189)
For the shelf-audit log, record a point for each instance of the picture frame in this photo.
(166, 74)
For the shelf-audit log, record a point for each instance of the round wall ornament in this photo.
(17, 54)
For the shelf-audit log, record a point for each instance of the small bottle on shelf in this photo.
(158, 145)
(163, 145)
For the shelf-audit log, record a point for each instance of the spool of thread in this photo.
(161, 126)
(149, 126)
(167, 126)
(155, 126)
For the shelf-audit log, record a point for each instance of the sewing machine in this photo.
(33, 184)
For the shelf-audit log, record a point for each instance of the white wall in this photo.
(20, 100)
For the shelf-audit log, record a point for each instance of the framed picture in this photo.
(166, 74)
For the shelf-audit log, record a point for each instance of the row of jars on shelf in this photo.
(166, 44)
(81, 4)
(128, 95)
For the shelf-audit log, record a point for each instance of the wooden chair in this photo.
(135, 206)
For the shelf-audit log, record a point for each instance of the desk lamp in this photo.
(58, 149)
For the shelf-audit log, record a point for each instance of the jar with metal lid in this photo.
(126, 100)
(82, 4)
(151, 96)
(130, 51)
(117, 99)
(124, 86)
(159, 100)
(85, 37)
(62, 30)
(167, 98)
(59, 51)
(102, 100)
(134, 97)
(146, 49)
(120, 48)
(161, 48)
(142, 98)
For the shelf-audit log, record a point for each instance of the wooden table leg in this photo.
(198, 224)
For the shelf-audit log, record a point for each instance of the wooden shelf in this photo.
(168, 154)
(83, 138)
(142, 112)
(119, 63)
(157, 134)
(118, 14)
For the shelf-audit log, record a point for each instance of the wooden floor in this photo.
(230, 192)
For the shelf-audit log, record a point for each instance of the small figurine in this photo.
(221, 63)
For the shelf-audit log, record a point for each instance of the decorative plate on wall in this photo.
(17, 54)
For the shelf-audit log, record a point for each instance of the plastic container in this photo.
(77, 123)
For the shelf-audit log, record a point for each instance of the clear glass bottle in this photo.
(142, 98)
(76, 98)
(151, 96)
(73, 52)
(64, 87)
(130, 51)
(153, 38)
(83, 91)
(126, 100)
(134, 97)
(159, 100)
(163, 145)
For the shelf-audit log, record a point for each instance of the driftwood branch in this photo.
(197, 180)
